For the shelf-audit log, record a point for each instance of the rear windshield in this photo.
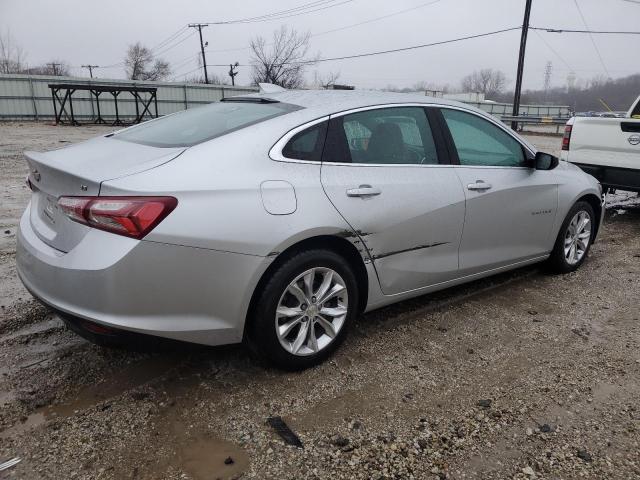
(197, 125)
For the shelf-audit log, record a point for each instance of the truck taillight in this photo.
(129, 216)
(566, 138)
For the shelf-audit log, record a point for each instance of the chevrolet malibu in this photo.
(277, 218)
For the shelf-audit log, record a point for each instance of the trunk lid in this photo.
(79, 170)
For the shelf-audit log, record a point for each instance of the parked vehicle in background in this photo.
(277, 218)
(606, 147)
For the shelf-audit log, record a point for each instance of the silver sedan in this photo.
(277, 218)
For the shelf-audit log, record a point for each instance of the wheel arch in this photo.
(596, 204)
(335, 243)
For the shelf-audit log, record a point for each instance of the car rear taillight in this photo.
(130, 216)
(566, 138)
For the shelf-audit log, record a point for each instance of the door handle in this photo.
(479, 185)
(363, 191)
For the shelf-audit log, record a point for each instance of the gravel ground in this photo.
(523, 375)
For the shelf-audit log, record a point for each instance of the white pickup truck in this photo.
(607, 148)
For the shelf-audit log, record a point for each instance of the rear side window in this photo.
(479, 142)
(398, 135)
(197, 125)
(307, 145)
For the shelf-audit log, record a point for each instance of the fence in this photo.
(500, 109)
(506, 109)
(28, 97)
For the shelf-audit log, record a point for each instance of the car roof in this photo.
(325, 102)
(320, 103)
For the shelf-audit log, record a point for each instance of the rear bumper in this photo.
(189, 294)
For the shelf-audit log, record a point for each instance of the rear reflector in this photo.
(566, 138)
(129, 216)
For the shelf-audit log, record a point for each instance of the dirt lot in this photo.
(524, 375)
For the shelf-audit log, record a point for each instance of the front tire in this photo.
(304, 310)
(574, 239)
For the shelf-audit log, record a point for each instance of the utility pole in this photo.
(547, 77)
(523, 46)
(55, 66)
(233, 73)
(90, 67)
(202, 45)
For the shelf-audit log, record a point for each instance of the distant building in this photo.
(472, 97)
(340, 87)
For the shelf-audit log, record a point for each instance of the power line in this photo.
(403, 49)
(280, 12)
(302, 10)
(371, 20)
(383, 52)
(164, 46)
(160, 45)
(186, 73)
(186, 60)
(393, 14)
(171, 47)
(595, 32)
(552, 49)
(170, 38)
(593, 41)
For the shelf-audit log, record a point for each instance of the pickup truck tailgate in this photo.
(612, 142)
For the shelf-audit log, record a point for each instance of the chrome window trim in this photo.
(380, 165)
(275, 153)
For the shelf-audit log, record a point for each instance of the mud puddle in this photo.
(113, 386)
(189, 446)
(205, 458)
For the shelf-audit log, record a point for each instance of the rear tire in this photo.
(303, 312)
(574, 239)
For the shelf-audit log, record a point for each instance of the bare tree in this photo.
(325, 81)
(12, 57)
(423, 86)
(597, 82)
(55, 67)
(619, 93)
(487, 81)
(140, 64)
(213, 79)
(284, 62)
(420, 86)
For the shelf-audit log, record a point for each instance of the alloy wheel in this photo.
(577, 237)
(311, 311)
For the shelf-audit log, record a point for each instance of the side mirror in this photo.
(545, 161)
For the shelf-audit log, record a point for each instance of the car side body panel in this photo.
(193, 277)
(509, 222)
(412, 229)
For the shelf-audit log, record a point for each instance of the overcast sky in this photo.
(85, 31)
